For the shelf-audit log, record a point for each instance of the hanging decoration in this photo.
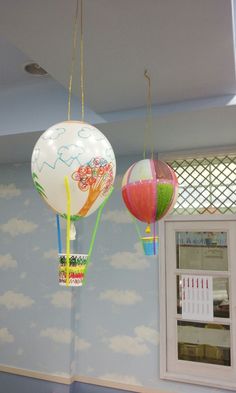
(73, 169)
(149, 189)
(80, 152)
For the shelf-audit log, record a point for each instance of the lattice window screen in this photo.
(206, 185)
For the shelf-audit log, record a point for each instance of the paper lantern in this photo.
(81, 152)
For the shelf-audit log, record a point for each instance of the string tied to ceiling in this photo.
(79, 11)
(148, 134)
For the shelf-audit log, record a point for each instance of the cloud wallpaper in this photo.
(108, 329)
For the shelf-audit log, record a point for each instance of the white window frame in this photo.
(187, 371)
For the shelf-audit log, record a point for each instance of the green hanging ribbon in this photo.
(95, 229)
(137, 229)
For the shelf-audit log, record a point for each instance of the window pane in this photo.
(202, 250)
(220, 296)
(205, 343)
(207, 185)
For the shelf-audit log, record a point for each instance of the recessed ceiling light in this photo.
(35, 69)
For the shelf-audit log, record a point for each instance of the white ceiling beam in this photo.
(175, 107)
(35, 107)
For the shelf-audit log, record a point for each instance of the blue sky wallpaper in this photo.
(107, 329)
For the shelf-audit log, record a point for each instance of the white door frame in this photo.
(162, 285)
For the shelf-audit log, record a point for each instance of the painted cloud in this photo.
(81, 344)
(117, 217)
(129, 260)
(122, 298)
(61, 299)
(7, 262)
(16, 226)
(147, 334)
(63, 336)
(6, 336)
(8, 191)
(134, 345)
(128, 345)
(13, 300)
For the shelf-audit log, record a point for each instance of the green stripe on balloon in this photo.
(164, 198)
(72, 218)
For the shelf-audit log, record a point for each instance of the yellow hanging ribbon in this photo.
(68, 194)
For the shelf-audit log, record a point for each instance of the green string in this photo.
(137, 229)
(95, 229)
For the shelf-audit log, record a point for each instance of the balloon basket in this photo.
(77, 269)
(150, 245)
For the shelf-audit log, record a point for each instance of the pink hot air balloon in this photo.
(149, 190)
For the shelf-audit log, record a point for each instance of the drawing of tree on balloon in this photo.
(96, 177)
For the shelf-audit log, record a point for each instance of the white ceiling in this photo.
(214, 127)
(12, 62)
(186, 45)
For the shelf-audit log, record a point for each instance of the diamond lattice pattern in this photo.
(206, 185)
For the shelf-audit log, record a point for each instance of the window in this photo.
(206, 185)
(197, 344)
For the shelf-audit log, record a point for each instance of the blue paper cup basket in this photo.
(150, 245)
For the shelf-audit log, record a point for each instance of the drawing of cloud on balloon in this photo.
(87, 132)
(53, 133)
(38, 160)
(65, 154)
(69, 153)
